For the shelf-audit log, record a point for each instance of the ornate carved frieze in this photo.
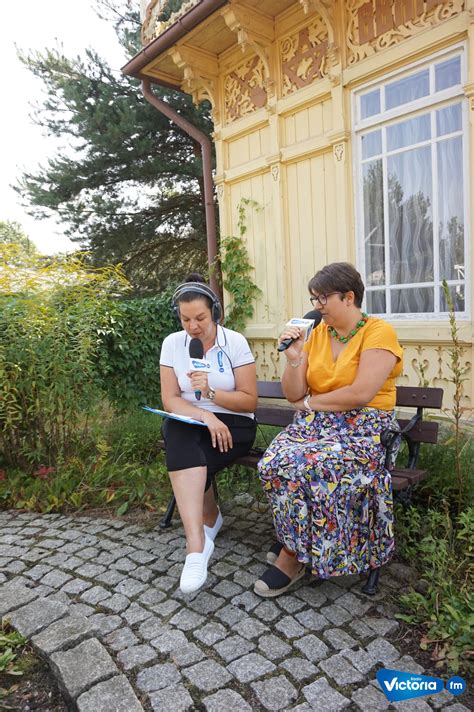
(266, 359)
(244, 89)
(376, 24)
(152, 26)
(303, 56)
(428, 365)
(326, 10)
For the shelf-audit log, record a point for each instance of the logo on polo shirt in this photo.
(220, 361)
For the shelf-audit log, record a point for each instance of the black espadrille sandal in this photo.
(274, 582)
(274, 552)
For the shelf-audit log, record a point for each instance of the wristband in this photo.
(295, 364)
(306, 404)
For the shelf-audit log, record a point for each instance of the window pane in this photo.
(457, 293)
(410, 217)
(376, 302)
(370, 104)
(371, 144)
(407, 89)
(373, 223)
(413, 301)
(450, 207)
(448, 120)
(408, 132)
(448, 74)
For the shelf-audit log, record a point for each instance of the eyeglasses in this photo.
(322, 299)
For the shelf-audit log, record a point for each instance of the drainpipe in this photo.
(206, 152)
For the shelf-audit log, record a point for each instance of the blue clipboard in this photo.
(174, 416)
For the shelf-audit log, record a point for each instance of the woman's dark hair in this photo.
(190, 296)
(338, 277)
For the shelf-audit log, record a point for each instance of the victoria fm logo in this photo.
(398, 685)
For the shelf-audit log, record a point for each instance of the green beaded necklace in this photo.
(353, 332)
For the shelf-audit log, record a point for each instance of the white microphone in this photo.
(307, 323)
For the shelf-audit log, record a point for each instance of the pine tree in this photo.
(129, 186)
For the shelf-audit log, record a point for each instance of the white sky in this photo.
(37, 24)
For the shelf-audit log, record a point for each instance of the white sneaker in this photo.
(194, 573)
(212, 532)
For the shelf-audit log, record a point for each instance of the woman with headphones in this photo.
(223, 398)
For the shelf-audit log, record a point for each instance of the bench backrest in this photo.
(425, 431)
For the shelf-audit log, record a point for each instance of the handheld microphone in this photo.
(315, 316)
(196, 360)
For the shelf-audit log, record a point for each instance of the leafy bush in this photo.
(131, 339)
(50, 313)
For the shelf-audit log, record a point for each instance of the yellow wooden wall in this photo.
(293, 157)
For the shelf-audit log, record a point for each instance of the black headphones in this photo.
(199, 288)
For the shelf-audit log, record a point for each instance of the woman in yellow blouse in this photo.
(325, 475)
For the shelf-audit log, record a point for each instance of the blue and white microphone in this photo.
(196, 360)
(308, 322)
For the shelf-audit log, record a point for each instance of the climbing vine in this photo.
(237, 271)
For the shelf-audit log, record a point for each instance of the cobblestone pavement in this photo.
(100, 599)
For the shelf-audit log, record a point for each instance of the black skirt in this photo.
(189, 446)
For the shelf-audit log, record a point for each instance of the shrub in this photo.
(49, 387)
(131, 338)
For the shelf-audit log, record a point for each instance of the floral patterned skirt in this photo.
(329, 491)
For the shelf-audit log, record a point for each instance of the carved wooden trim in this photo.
(326, 10)
(374, 25)
(200, 72)
(339, 152)
(255, 31)
(303, 56)
(152, 28)
(267, 359)
(428, 365)
(244, 90)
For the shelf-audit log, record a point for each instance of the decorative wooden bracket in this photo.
(254, 30)
(200, 73)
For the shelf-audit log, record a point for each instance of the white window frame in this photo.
(384, 118)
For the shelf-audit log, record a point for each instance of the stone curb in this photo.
(84, 670)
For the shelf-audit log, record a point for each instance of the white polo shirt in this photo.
(230, 351)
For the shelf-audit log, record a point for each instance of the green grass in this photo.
(11, 644)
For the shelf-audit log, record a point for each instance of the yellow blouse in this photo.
(325, 375)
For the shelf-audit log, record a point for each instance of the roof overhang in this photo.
(194, 48)
(141, 65)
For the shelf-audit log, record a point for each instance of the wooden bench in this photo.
(272, 409)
